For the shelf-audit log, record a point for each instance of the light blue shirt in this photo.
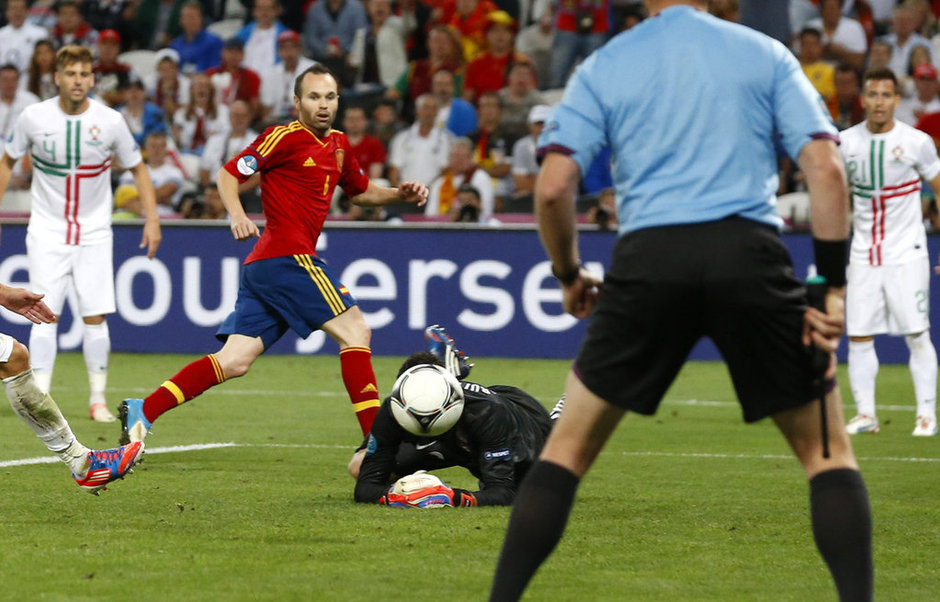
(692, 109)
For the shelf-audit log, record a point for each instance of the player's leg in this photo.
(50, 268)
(234, 359)
(923, 365)
(350, 331)
(93, 275)
(865, 315)
(92, 470)
(908, 307)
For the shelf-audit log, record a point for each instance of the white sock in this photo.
(923, 364)
(40, 412)
(863, 369)
(97, 350)
(43, 346)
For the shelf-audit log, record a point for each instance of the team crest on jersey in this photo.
(897, 152)
(247, 165)
(343, 290)
(340, 154)
(94, 131)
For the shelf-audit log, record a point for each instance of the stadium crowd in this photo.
(452, 93)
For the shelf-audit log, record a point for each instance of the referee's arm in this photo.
(555, 192)
(828, 191)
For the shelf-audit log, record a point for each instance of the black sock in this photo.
(538, 519)
(842, 529)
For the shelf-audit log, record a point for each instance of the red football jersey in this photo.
(370, 150)
(299, 173)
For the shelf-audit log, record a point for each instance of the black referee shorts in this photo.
(731, 280)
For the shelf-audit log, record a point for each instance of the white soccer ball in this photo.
(427, 400)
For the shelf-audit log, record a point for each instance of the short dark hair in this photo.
(469, 188)
(10, 67)
(810, 31)
(881, 74)
(418, 359)
(316, 69)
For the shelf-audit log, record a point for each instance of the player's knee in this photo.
(917, 342)
(18, 362)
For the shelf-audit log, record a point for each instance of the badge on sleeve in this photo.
(247, 165)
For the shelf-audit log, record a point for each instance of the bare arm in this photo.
(26, 304)
(6, 172)
(242, 227)
(829, 206)
(152, 235)
(555, 191)
(408, 192)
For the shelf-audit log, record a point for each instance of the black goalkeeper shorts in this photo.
(731, 280)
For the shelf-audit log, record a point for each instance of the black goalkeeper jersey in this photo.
(499, 435)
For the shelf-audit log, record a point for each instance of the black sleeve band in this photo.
(568, 276)
(831, 258)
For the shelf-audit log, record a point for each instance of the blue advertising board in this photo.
(491, 287)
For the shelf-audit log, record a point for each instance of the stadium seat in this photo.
(142, 61)
(225, 28)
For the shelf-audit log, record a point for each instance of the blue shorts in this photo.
(295, 292)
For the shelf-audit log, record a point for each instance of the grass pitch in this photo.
(688, 505)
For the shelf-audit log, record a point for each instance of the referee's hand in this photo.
(579, 297)
(824, 330)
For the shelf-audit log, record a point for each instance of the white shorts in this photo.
(53, 267)
(889, 299)
(6, 347)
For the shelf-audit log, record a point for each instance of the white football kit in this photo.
(69, 234)
(888, 277)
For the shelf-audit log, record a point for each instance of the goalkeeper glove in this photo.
(423, 490)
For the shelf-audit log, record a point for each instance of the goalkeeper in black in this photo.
(498, 436)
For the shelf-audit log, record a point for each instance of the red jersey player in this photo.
(284, 284)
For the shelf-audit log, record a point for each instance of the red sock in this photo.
(356, 365)
(189, 382)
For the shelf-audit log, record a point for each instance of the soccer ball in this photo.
(427, 400)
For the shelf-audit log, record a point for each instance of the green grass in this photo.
(688, 505)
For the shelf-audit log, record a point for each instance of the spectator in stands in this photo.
(443, 53)
(819, 72)
(18, 37)
(42, 68)
(207, 206)
(525, 168)
(368, 150)
(535, 41)
(201, 118)
(277, 84)
(329, 30)
(469, 205)
(111, 76)
(844, 39)
(420, 152)
(846, 105)
(385, 122)
(158, 22)
(233, 81)
(920, 55)
(925, 98)
(493, 145)
(470, 19)
(487, 72)
(127, 203)
(581, 27)
(416, 16)
(260, 36)
(167, 178)
(168, 88)
(460, 169)
(142, 116)
(455, 114)
(604, 213)
(224, 145)
(729, 10)
(518, 98)
(70, 27)
(903, 39)
(879, 56)
(13, 99)
(384, 56)
(199, 49)
(109, 14)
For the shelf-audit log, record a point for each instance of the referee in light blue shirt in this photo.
(693, 109)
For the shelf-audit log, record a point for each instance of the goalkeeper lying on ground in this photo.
(498, 435)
